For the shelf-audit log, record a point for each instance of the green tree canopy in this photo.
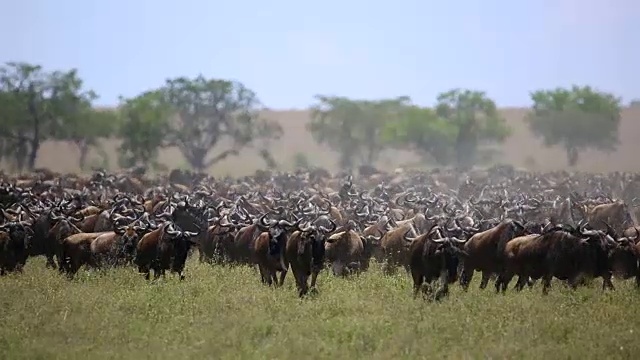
(353, 128)
(36, 106)
(144, 125)
(422, 130)
(213, 112)
(576, 119)
(477, 119)
(455, 131)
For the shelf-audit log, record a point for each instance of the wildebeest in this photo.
(305, 251)
(164, 248)
(485, 251)
(14, 242)
(432, 256)
(562, 252)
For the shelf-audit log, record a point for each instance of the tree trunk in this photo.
(33, 153)
(84, 151)
(196, 159)
(20, 155)
(572, 155)
(35, 141)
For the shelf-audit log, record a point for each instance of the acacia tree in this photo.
(353, 128)
(144, 125)
(79, 123)
(212, 112)
(477, 120)
(576, 119)
(35, 106)
(423, 131)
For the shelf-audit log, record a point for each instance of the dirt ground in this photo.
(521, 149)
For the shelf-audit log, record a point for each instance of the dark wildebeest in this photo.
(432, 256)
(269, 248)
(305, 253)
(42, 241)
(485, 251)
(562, 252)
(162, 249)
(14, 242)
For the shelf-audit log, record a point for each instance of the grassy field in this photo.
(225, 313)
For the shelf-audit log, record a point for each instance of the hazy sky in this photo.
(287, 51)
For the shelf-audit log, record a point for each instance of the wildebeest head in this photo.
(278, 230)
(63, 227)
(15, 238)
(182, 242)
(370, 243)
(314, 237)
(129, 235)
(624, 257)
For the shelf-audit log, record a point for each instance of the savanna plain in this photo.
(222, 312)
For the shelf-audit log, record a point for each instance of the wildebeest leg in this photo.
(50, 263)
(389, 266)
(573, 282)
(465, 277)
(263, 274)
(273, 276)
(301, 284)
(521, 282)
(156, 272)
(607, 283)
(283, 275)
(530, 281)
(338, 268)
(418, 279)
(314, 278)
(485, 279)
(546, 284)
(502, 282)
(444, 285)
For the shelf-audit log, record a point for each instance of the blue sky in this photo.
(287, 51)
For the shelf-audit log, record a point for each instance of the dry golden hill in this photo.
(521, 149)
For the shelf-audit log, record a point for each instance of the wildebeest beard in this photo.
(276, 241)
(317, 253)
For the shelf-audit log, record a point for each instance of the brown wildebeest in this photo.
(240, 251)
(217, 244)
(347, 250)
(118, 246)
(76, 251)
(562, 252)
(164, 248)
(394, 248)
(432, 256)
(485, 251)
(268, 251)
(615, 214)
(305, 253)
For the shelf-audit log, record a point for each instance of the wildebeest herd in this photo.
(441, 226)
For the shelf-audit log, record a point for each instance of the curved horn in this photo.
(460, 241)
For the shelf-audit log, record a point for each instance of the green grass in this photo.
(225, 313)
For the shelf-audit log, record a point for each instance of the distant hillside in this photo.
(521, 149)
